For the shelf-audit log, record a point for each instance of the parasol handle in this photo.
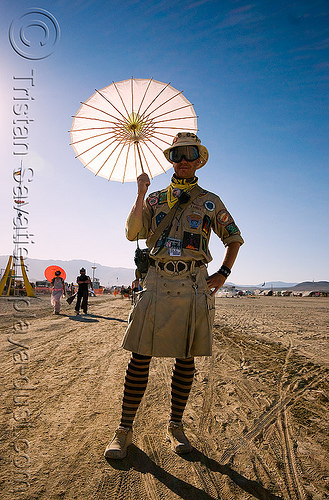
(139, 155)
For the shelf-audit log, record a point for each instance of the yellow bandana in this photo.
(179, 184)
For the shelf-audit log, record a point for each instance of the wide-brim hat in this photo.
(188, 139)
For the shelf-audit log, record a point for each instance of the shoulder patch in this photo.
(232, 228)
(153, 200)
(224, 217)
(163, 197)
(209, 205)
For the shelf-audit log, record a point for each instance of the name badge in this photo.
(174, 247)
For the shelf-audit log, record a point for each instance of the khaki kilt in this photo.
(169, 319)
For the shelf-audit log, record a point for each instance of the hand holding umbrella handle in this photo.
(143, 182)
(135, 218)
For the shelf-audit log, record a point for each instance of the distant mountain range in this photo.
(281, 285)
(276, 284)
(109, 276)
(312, 286)
(306, 286)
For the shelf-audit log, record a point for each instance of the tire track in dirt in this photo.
(243, 365)
(216, 484)
(244, 389)
(281, 450)
(289, 459)
(151, 487)
(320, 475)
(289, 392)
(269, 454)
(228, 484)
(211, 482)
(269, 468)
(119, 485)
(268, 417)
(149, 443)
(186, 480)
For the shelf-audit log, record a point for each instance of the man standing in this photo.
(174, 313)
(84, 282)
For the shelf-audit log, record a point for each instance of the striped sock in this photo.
(134, 387)
(181, 383)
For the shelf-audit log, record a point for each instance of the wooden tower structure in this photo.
(12, 277)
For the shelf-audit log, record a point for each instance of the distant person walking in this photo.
(84, 282)
(57, 291)
(134, 290)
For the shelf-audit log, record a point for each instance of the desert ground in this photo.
(257, 415)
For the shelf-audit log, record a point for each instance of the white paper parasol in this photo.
(122, 130)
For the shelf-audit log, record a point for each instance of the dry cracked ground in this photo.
(257, 415)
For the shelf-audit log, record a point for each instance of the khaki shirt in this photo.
(192, 226)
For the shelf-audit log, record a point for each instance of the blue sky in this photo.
(258, 76)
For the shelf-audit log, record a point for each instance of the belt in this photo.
(175, 266)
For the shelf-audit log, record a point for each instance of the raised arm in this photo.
(135, 218)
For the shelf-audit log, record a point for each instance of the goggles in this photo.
(190, 153)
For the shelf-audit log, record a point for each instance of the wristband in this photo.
(224, 271)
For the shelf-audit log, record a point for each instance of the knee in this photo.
(141, 357)
(185, 361)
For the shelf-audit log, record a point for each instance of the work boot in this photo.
(178, 440)
(117, 448)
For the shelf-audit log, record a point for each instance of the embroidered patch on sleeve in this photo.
(232, 228)
(209, 205)
(153, 200)
(204, 244)
(159, 217)
(191, 241)
(224, 217)
(206, 225)
(194, 220)
(163, 197)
